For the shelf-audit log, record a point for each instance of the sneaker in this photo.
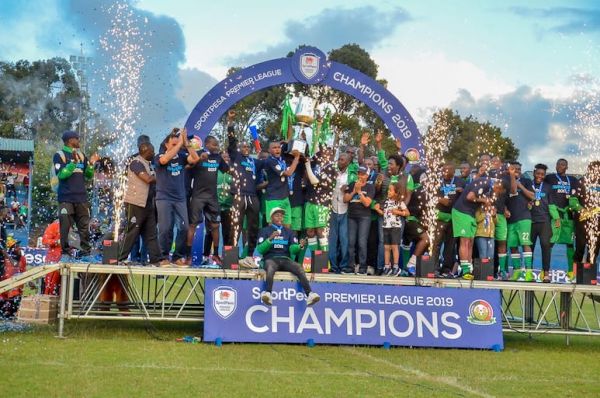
(402, 273)
(529, 276)
(412, 270)
(502, 276)
(205, 260)
(216, 260)
(347, 271)
(266, 298)
(248, 263)
(162, 264)
(546, 277)
(466, 269)
(362, 272)
(445, 274)
(370, 270)
(312, 298)
(468, 276)
(517, 275)
(182, 263)
(388, 271)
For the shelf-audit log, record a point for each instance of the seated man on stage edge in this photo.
(277, 243)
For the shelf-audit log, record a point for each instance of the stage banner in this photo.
(35, 256)
(354, 314)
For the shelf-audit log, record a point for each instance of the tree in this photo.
(39, 100)
(468, 138)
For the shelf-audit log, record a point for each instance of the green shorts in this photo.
(262, 215)
(463, 225)
(315, 216)
(501, 232)
(297, 218)
(282, 203)
(564, 235)
(519, 234)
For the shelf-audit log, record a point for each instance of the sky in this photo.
(530, 67)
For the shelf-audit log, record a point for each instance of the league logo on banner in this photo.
(354, 314)
(224, 301)
(309, 65)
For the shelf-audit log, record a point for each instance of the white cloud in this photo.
(30, 34)
(432, 80)
(194, 84)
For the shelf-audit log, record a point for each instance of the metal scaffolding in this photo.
(172, 294)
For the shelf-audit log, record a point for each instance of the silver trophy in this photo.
(304, 118)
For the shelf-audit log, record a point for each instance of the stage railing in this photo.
(172, 294)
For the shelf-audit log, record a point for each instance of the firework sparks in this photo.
(435, 144)
(590, 214)
(125, 40)
(586, 127)
(587, 123)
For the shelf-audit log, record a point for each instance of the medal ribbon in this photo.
(538, 191)
(568, 183)
(448, 188)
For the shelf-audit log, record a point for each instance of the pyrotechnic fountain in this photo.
(125, 41)
(587, 128)
(435, 144)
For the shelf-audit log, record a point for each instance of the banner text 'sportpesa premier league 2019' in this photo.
(354, 314)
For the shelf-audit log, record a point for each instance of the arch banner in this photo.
(308, 65)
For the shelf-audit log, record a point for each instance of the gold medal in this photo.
(282, 179)
(537, 202)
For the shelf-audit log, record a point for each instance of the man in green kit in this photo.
(564, 204)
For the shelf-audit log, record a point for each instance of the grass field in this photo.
(122, 359)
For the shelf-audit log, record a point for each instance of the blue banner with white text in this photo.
(353, 314)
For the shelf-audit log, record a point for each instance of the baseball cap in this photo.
(363, 169)
(275, 210)
(67, 135)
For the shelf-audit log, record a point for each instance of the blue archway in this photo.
(309, 65)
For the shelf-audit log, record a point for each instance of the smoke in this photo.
(35, 98)
(159, 108)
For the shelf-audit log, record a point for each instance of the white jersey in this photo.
(391, 220)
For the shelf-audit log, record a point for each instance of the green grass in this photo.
(121, 359)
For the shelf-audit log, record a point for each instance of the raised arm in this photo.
(170, 153)
(290, 170)
(364, 141)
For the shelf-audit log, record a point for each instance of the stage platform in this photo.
(177, 294)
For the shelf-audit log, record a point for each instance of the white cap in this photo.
(275, 210)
